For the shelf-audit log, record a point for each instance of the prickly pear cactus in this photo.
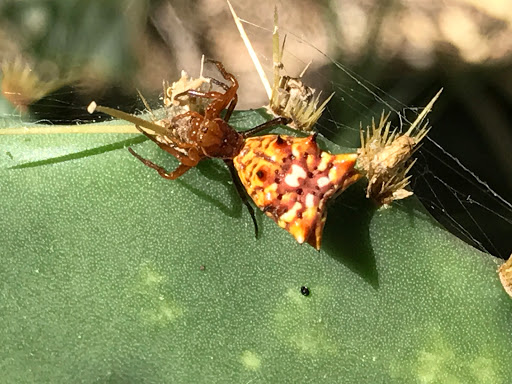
(111, 274)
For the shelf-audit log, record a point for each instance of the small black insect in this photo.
(304, 290)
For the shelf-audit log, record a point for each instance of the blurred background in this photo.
(58, 55)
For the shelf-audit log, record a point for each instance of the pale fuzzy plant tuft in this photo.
(186, 103)
(22, 86)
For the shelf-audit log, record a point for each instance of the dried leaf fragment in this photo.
(505, 274)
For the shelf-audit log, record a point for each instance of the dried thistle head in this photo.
(385, 155)
(290, 97)
(22, 86)
(293, 99)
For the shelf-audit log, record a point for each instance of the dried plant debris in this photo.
(22, 86)
(505, 273)
(290, 97)
(385, 155)
(293, 99)
(185, 103)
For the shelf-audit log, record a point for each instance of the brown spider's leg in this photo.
(232, 103)
(242, 193)
(206, 95)
(230, 94)
(268, 124)
(219, 83)
(177, 154)
(182, 168)
(187, 160)
(187, 114)
(224, 73)
(231, 108)
(220, 100)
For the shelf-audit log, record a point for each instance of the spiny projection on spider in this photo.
(289, 178)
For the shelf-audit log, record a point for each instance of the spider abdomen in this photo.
(291, 179)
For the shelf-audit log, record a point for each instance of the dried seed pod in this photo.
(385, 156)
(295, 100)
(290, 97)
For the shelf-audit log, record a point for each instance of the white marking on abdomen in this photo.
(310, 200)
(292, 179)
(323, 181)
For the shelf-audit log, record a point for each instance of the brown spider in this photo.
(192, 136)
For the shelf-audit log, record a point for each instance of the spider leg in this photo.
(231, 107)
(182, 168)
(206, 95)
(266, 125)
(187, 114)
(184, 159)
(220, 100)
(242, 193)
(224, 73)
(232, 103)
(230, 98)
(219, 83)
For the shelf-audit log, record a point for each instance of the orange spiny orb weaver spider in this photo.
(289, 178)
